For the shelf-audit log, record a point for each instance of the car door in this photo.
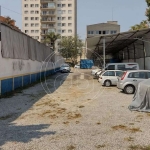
(111, 76)
(137, 77)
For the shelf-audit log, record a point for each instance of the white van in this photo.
(122, 66)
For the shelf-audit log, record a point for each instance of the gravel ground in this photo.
(72, 112)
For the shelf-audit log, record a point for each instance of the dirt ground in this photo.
(72, 112)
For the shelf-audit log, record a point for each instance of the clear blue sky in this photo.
(127, 12)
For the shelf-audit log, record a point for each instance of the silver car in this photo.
(129, 81)
(65, 68)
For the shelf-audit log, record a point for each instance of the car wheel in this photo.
(129, 89)
(107, 83)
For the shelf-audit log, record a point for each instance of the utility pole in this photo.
(104, 52)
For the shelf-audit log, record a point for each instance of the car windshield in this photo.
(65, 65)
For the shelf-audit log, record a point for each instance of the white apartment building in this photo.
(43, 16)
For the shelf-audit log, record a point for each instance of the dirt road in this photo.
(71, 112)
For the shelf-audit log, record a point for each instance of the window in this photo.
(32, 31)
(69, 18)
(32, 24)
(97, 32)
(36, 12)
(26, 31)
(58, 5)
(69, 31)
(63, 11)
(121, 67)
(69, 11)
(59, 24)
(104, 32)
(148, 75)
(119, 73)
(113, 32)
(111, 67)
(26, 24)
(109, 73)
(69, 5)
(89, 32)
(36, 18)
(141, 75)
(36, 25)
(32, 18)
(63, 24)
(36, 31)
(58, 18)
(100, 32)
(36, 5)
(32, 5)
(69, 24)
(25, 5)
(63, 5)
(63, 31)
(32, 12)
(26, 12)
(26, 18)
(63, 18)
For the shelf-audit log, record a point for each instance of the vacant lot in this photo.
(72, 112)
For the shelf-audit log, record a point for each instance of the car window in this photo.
(121, 67)
(119, 73)
(111, 67)
(140, 75)
(109, 73)
(148, 74)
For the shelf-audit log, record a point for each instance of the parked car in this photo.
(109, 77)
(122, 66)
(129, 81)
(94, 71)
(77, 66)
(65, 68)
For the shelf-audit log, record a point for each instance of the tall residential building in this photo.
(43, 16)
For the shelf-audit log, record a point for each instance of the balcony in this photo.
(48, 14)
(48, 20)
(48, 26)
(47, 1)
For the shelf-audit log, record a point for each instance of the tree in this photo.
(143, 25)
(71, 47)
(9, 21)
(50, 39)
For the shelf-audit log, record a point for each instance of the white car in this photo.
(94, 71)
(65, 68)
(109, 77)
(77, 66)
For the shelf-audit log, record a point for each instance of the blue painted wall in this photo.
(17, 82)
(8, 85)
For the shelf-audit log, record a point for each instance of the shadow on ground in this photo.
(12, 108)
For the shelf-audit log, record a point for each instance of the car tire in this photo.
(107, 83)
(129, 89)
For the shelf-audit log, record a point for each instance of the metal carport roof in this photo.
(115, 42)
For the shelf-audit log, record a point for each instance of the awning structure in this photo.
(114, 42)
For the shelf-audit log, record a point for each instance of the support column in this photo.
(144, 55)
(134, 52)
(104, 63)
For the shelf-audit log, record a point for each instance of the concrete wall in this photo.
(17, 73)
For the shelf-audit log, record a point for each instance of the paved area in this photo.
(72, 112)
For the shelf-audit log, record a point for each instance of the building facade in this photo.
(43, 16)
(111, 27)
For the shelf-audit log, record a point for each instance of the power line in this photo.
(11, 10)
